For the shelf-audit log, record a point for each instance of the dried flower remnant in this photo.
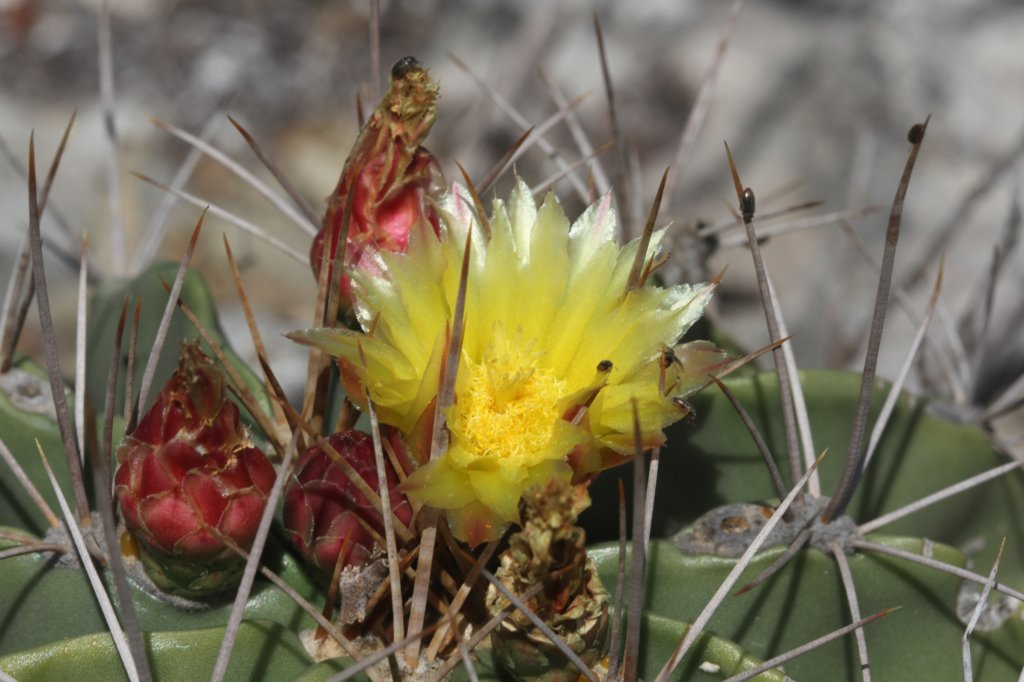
(388, 177)
(190, 482)
(555, 351)
(551, 549)
(325, 513)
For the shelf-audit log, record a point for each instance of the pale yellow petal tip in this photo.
(319, 337)
(300, 336)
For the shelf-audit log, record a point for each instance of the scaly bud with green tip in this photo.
(190, 482)
(388, 177)
(551, 549)
(325, 512)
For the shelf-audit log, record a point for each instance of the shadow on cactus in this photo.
(423, 510)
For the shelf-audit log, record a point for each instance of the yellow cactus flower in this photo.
(555, 352)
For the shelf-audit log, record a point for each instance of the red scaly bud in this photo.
(190, 481)
(388, 178)
(326, 514)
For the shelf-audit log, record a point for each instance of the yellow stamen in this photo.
(508, 405)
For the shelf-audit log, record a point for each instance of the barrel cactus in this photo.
(520, 452)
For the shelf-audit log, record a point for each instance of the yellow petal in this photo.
(381, 358)
(475, 524)
(439, 485)
(499, 490)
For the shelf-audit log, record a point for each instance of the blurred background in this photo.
(815, 98)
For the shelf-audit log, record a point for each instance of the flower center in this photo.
(510, 405)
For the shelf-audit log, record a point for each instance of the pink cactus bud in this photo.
(325, 512)
(189, 480)
(388, 177)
